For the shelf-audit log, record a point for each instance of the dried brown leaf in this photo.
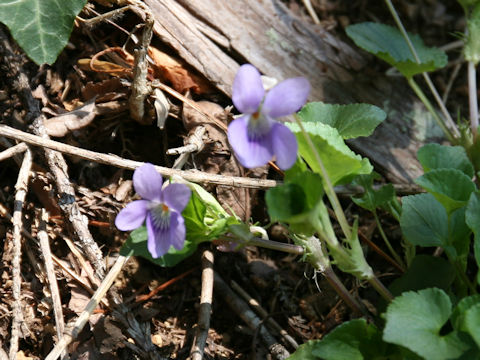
(63, 124)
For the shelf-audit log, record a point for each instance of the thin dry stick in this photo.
(21, 191)
(205, 307)
(52, 279)
(241, 308)
(70, 273)
(263, 313)
(191, 175)
(311, 11)
(14, 150)
(77, 326)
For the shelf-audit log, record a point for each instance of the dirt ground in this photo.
(300, 301)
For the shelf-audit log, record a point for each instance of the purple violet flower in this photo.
(161, 208)
(256, 137)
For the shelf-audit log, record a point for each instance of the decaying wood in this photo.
(212, 36)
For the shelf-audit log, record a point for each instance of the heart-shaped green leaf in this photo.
(435, 156)
(351, 120)
(451, 187)
(41, 27)
(414, 320)
(388, 44)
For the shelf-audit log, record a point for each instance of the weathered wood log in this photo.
(215, 36)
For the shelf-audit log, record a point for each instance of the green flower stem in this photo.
(452, 131)
(472, 97)
(381, 289)
(319, 260)
(430, 108)
(395, 255)
(329, 190)
(275, 245)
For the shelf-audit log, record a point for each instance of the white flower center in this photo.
(160, 215)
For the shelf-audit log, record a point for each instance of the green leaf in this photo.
(351, 120)
(424, 221)
(458, 315)
(472, 322)
(459, 235)
(340, 162)
(451, 187)
(373, 199)
(387, 43)
(41, 27)
(425, 271)
(353, 340)
(414, 320)
(137, 242)
(472, 218)
(436, 156)
(305, 351)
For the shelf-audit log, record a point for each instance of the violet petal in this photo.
(286, 97)
(177, 231)
(247, 89)
(132, 216)
(157, 242)
(251, 152)
(148, 182)
(176, 196)
(285, 146)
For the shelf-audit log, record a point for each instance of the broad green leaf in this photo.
(459, 235)
(340, 162)
(436, 156)
(414, 320)
(425, 271)
(388, 44)
(351, 120)
(305, 351)
(451, 187)
(472, 218)
(472, 44)
(424, 221)
(353, 340)
(137, 241)
(41, 27)
(373, 199)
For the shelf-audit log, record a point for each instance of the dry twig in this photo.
(76, 327)
(241, 308)
(14, 150)
(21, 191)
(52, 279)
(205, 308)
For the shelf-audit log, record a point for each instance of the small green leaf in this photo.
(388, 44)
(414, 320)
(424, 221)
(353, 340)
(137, 242)
(373, 199)
(351, 120)
(425, 271)
(340, 162)
(41, 27)
(472, 322)
(305, 351)
(451, 187)
(472, 218)
(436, 156)
(296, 201)
(458, 315)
